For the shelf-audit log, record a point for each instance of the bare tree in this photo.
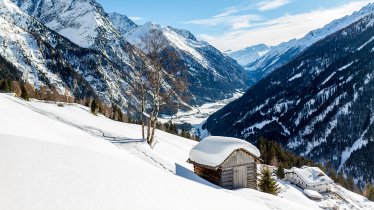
(154, 44)
(141, 76)
(152, 81)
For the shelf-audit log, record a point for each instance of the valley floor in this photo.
(66, 158)
(198, 115)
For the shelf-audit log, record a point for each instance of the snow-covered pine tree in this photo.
(267, 183)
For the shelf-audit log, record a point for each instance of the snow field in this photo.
(66, 158)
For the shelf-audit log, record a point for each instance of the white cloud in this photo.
(227, 12)
(230, 17)
(285, 28)
(234, 10)
(135, 18)
(235, 22)
(272, 4)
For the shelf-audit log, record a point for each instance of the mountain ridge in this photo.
(98, 54)
(287, 51)
(204, 63)
(249, 54)
(319, 105)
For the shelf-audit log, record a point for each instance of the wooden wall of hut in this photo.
(213, 176)
(239, 164)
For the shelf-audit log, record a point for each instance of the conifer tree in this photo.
(369, 192)
(267, 183)
(280, 172)
(24, 93)
(94, 107)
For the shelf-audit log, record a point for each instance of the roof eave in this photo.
(204, 166)
(220, 165)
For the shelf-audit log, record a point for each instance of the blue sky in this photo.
(235, 24)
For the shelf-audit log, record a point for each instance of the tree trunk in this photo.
(156, 106)
(149, 129)
(142, 114)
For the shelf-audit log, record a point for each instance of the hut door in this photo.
(240, 177)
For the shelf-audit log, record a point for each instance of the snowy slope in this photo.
(210, 73)
(66, 158)
(285, 52)
(20, 47)
(249, 54)
(36, 53)
(78, 20)
(122, 22)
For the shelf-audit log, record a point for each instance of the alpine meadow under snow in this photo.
(57, 157)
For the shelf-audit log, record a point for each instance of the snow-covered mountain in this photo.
(84, 22)
(83, 161)
(122, 22)
(285, 52)
(249, 55)
(320, 105)
(74, 46)
(212, 75)
(26, 43)
(45, 58)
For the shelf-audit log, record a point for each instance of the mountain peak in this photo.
(286, 51)
(122, 22)
(80, 21)
(249, 54)
(368, 9)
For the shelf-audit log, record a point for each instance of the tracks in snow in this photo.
(137, 147)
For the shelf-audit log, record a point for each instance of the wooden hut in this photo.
(227, 162)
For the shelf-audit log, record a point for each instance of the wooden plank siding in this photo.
(239, 170)
(252, 175)
(240, 176)
(237, 158)
(213, 176)
(227, 178)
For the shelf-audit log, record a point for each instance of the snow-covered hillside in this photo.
(319, 105)
(66, 158)
(210, 73)
(122, 22)
(45, 58)
(83, 22)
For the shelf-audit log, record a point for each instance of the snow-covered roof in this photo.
(213, 151)
(313, 194)
(311, 175)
